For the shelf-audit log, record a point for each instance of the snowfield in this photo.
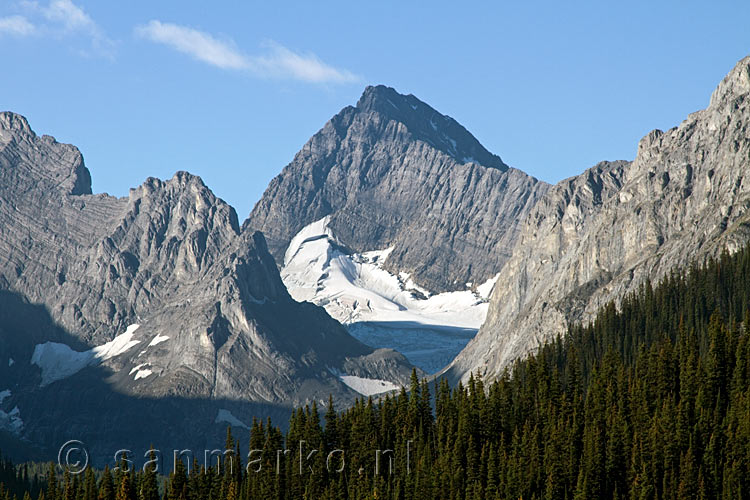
(357, 291)
(368, 386)
(226, 416)
(59, 361)
(356, 288)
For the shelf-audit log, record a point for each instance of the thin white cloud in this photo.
(277, 62)
(197, 44)
(69, 15)
(16, 25)
(64, 17)
(306, 67)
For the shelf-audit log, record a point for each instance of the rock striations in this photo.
(393, 172)
(216, 330)
(596, 236)
(160, 310)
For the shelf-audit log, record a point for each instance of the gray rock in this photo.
(78, 269)
(597, 236)
(392, 171)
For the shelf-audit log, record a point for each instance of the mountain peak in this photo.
(735, 84)
(384, 98)
(60, 164)
(428, 125)
(13, 121)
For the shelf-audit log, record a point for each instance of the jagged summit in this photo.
(440, 131)
(157, 295)
(24, 156)
(13, 121)
(394, 172)
(735, 84)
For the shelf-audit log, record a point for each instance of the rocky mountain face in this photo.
(393, 172)
(160, 312)
(155, 309)
(597, 236)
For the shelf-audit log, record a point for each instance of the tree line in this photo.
(651, 400)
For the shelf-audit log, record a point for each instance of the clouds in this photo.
(57, 18)
(66, 13)
(199, 45)
(16, 26)
(282, 62)
(60, 19)
(276, 62)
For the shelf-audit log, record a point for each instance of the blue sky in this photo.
(232, 90)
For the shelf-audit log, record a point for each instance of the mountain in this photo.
(396, 220)
(155, 309)
(394, 173)
(596, 236)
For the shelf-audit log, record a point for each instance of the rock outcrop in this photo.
(216, 327)
(597, 236)
(393, 172)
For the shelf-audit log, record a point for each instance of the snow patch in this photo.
(485, 289)
(118, 345)
(158, 340)
(227, 417)
(10, 421)
(137, 367)
(59, 361)
(11, 362)
(368, 386)
(140, 371)
(142, 374)
(355, 288)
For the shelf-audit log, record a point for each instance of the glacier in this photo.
(379, 308)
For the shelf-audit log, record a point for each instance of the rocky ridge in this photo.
(215, 324)
(393, 172)
(597, 236)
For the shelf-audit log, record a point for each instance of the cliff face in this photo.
(598, 235)
(393, 172)
(158, 295)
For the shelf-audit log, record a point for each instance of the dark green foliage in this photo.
(650, 401)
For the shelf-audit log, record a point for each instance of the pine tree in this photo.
(106, 485)
(149, 487)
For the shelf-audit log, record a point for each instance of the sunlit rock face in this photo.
(596, 236)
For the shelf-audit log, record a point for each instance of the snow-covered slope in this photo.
(368, 386)
(377, 306)
(59, 361)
